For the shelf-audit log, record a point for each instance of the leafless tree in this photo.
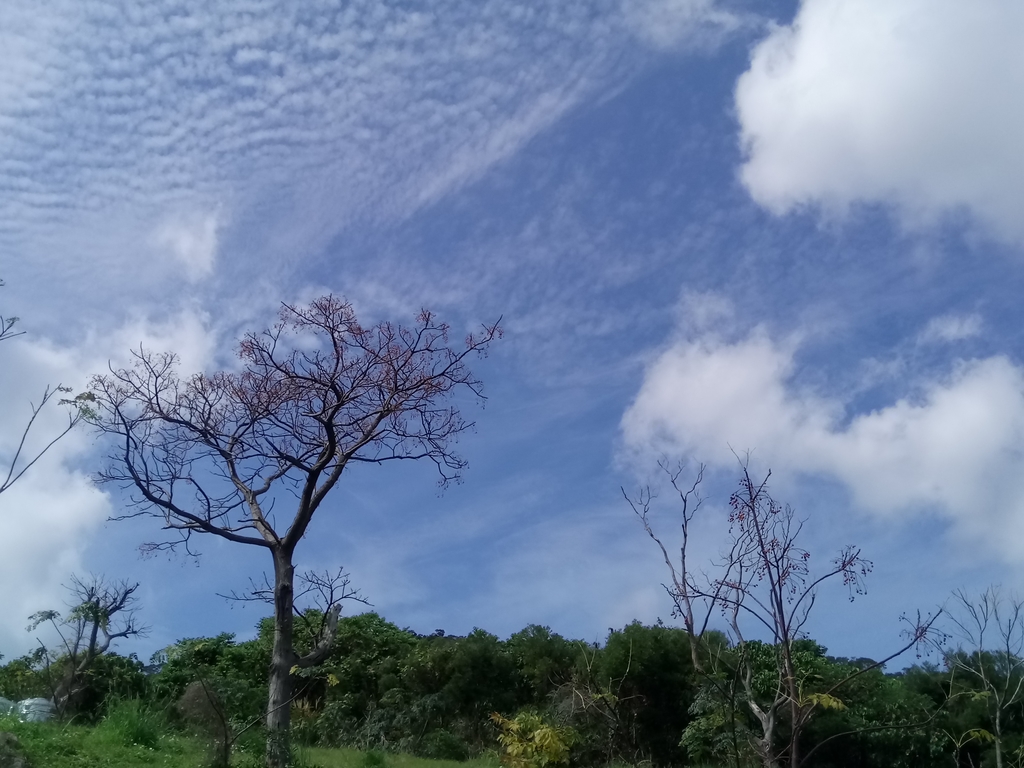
(989, 630)
(762, 581)
(316, 392)
(101, 612)
(25, 456)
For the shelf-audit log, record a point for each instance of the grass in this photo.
(51, 745)
(354, 758)
(134, 724)
(132, 735)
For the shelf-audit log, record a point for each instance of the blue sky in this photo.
(789, 228)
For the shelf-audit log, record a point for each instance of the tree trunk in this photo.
(63, 693)
(763, 746)
(796, 721)
(794, 739)
(68, 693)
(279, 708)
(999, 734)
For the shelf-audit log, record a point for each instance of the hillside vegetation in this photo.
(634, 699)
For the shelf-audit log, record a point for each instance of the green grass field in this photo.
(133, 737)
(51, 745)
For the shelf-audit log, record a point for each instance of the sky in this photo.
(788, 230)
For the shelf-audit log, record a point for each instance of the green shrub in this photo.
(301, 760)
(134, 723)
(374, 759)
(444, 745)
(529, 741)
(305, 725)
(335, 725)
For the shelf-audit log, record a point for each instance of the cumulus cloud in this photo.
(952, 445)
(49, 515)
(49, 518)
(906, 102)
(52, 514)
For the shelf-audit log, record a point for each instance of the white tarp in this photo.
(36, 710)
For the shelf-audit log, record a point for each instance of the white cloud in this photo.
(142, 144)
(952, 445)
(48, 518)
(948, 328)
(192, 240)
(49, 515)
(186, 333)
(296, 120)
(667, 24)
(705, 311)
(52, 515)
(907, 102)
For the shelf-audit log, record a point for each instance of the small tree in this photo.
(529, 741)
(764, 581)
(316, 392)
(988, 660)
(101, 613)
(23, 457)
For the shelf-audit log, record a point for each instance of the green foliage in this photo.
(54, 745)
(23, 678)
(134, 723)
(889, 720)
(658, 686)
(629, 701)
(299, 759)
(394, 689)
(717, 728)
(543, 661)
(235, 672)
(822, 701)
(633, 700)
(111, 678)
(481, 678)
(443, 745)
(351, 758)
(529, 741)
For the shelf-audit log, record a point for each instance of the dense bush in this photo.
(234, 672)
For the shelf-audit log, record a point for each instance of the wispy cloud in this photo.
(284, 122)
(669, 24)
(949, 328)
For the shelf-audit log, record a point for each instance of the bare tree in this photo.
(25, 456)
(315, 393)
(762, 581)
(989, 629)
(101, 613)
